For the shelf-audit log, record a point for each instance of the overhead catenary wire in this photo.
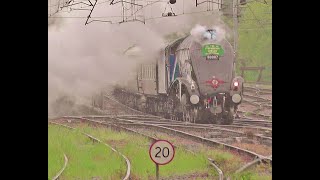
(149, 2)
(126, 17)
(99, 17)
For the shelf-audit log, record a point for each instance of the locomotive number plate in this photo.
(213, 57)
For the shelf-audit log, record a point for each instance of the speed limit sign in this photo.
(161, 152)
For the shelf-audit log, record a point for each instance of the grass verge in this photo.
(87, 160)
(136, 148)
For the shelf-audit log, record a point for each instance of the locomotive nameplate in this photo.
(212, 49)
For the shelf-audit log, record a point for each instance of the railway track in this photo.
(127, 118)
(250, 164)
(263, 137)
(121, 128)
(258, 126)
(160, 120)
(260, 104)
(200, 127)
(257, 91)
(258, 131)
(157, 119)
(256, 98)
(257, 103)
(63, 168)
(109, 99)
(156, 128)
(97, 140)
(253, 114)
(142, 115)
(118, 126)
(260, 123)
(219, 135)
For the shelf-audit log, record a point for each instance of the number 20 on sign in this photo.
(161, 153)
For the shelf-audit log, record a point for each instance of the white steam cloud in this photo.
(199, 33)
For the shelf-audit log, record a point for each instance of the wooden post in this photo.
(260, 69)
(242, 72)
(260, 74)
(157, 171)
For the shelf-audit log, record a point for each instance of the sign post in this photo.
(161, 153)
(157, 171)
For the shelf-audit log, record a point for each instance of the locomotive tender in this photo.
(192, 81)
